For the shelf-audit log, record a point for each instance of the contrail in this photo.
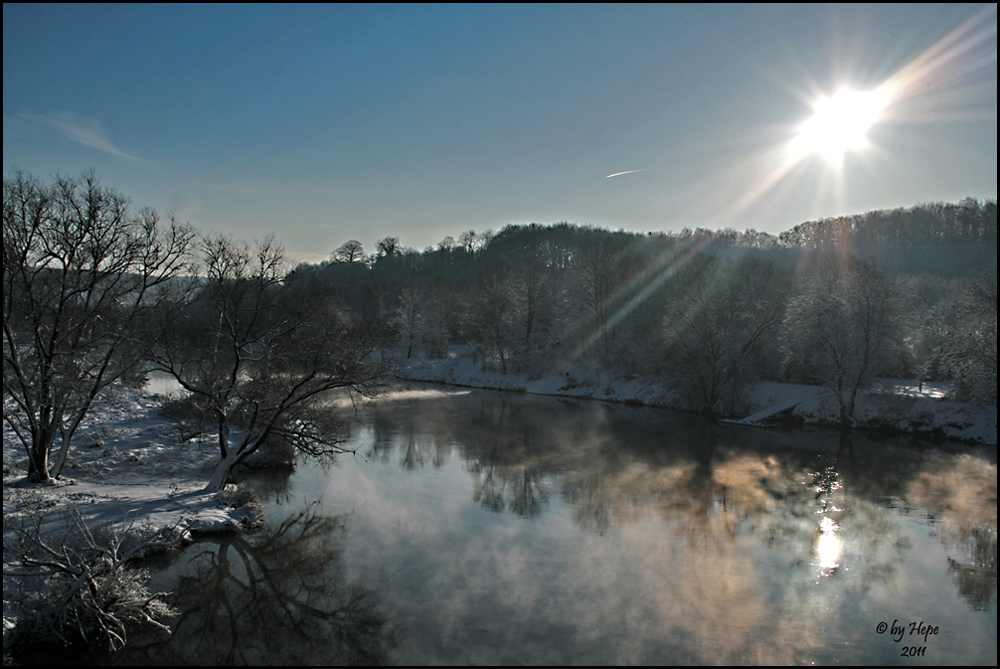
(618, 174)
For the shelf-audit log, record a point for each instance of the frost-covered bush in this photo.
(250, 512)
(969, 350)
(78, 585)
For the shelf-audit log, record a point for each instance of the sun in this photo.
(839, 124)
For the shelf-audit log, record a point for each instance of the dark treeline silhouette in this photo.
(837, 302)
(945, 239)
(968, 222)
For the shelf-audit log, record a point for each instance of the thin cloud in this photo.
(618, 174)
(83, 131)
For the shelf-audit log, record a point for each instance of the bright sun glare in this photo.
(839, 124)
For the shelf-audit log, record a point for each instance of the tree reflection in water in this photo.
(274, 598)
(506, 474)
(961, 494)
(616, 534)
(614, 466)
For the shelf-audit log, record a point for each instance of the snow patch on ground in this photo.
(126, 460)
(577, 381)
(128, 467)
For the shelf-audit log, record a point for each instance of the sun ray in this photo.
(633, 293)
(926, 89)
(923, 89)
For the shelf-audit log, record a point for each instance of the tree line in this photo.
(97, 295)
(708, 311)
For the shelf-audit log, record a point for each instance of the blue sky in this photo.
(328, 123)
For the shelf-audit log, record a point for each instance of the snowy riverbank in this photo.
(127, 461)
(894, 406)
(129, 464)
(128, 470)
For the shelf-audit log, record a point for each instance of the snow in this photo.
(894, 405)
(127, 466)
(126, 459)
(576, 381)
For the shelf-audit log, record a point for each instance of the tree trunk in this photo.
(38, 466)
(38, 456)
(221, 475)
(61, 458)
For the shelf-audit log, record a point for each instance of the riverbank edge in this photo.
(897, 407)
(128, 469)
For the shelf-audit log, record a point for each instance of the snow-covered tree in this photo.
(600, 269)
(408, 318)
(718, 318)
(419, 322)
(493, 313)
(843, 329)
(969, 349)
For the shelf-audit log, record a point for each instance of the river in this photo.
(482, 527)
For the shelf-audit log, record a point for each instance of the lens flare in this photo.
(839, 124)
(941, 84)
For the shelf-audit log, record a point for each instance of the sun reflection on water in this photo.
(828, 546)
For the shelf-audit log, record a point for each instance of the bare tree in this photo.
(843, 329)
(601, 268)
(80, 273)
(494, 313)
(389, 247)
(410, 318)
(254, 354)
(380, 290)
(533, 283)
(443, 316)
(469, 240)
(718, 319)
(535, 291)
(422, 317)
(349, 251)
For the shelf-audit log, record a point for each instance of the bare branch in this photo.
(85, 587)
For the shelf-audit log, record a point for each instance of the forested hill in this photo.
(944, 239)
(941, 238)
(712, 310)
(968, 222)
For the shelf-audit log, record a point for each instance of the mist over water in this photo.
(494, 528)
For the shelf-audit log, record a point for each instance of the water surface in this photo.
(495, 528)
